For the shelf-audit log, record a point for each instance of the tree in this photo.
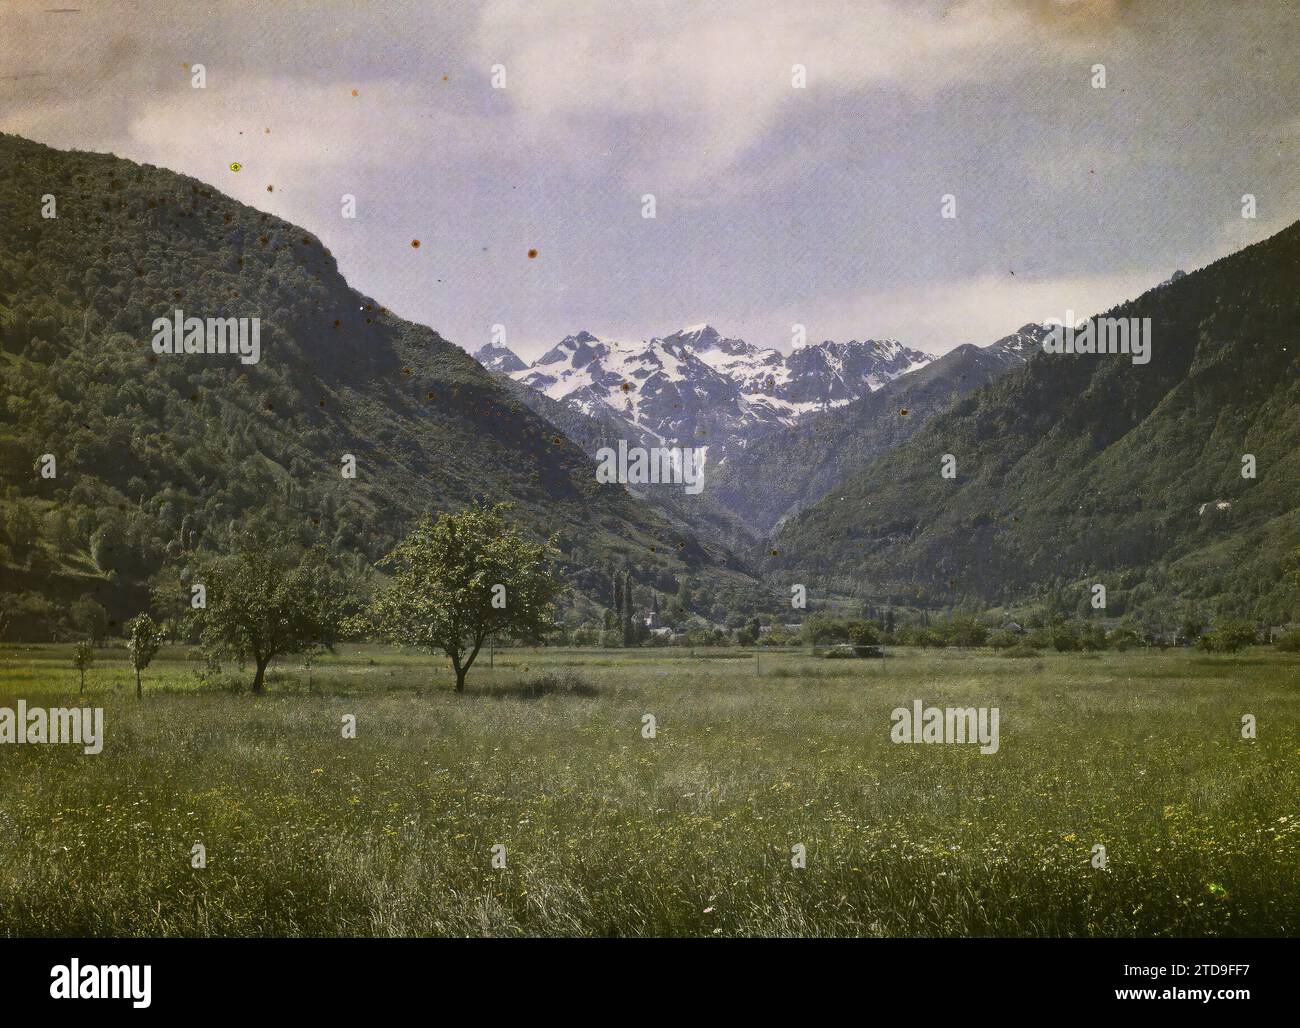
(1228, 637)
(90, 618)
(820, 628)
(464, 577)
(629, 634)
(1065, 637)
(269, 598)
(966, 630)
(861, 633)
(1292, 570)
(83, 656)
(142, 641)
(20, 525)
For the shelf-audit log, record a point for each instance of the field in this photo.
(608, 833)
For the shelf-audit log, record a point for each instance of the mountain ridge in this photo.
(157, 455)
(1077, 468)
(697, 387)
(789, 469)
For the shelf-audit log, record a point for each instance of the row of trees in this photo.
(461, 579)
(454, 582)
(960, 630)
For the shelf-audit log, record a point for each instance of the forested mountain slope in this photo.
(158, 455)
(794, 467)
(1081, 468)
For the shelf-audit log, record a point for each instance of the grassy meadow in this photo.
(607, 833)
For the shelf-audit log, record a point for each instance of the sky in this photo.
(774, 205)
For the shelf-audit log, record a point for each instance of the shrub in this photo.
(549, 683)
(1092, 637)
(1241, 632)
(863, 634)
(1289, 642)
(1123, 638)
(966, 631)
(1003, 639)
(1065, 638)
(821, 629)
(1227, 638)
(1039, 637)
(1212, 642)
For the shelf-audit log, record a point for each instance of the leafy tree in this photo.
(966, 630)
(820, 628)
(83, 656)
(142, 641)
(464, 577)
(269, 598)
(90, 618)
(1065, 637)
(1123, 637)
(1292, 570)
(1003, 639)
(1289, 642)
(1228, 637)
(1092, 636)
(20, 527)
(862, 633)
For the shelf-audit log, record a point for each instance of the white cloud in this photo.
(314, 126)
(939, 316)
(710, 80)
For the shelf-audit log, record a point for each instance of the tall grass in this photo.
(689, 833)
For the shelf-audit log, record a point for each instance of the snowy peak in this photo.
(699, 387)
(1020, 345)
(499, 357)
(575, 349)
(699, 337)
(840, 372)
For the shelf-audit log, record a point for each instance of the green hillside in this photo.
(788, 470)
(1079, 469)
(158, 456)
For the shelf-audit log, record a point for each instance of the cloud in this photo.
(940, 316)
(770, 198)
(690, 88)
(314, 127)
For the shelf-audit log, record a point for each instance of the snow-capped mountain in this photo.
(697, 387)
(499, 357)
(1018, 347)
